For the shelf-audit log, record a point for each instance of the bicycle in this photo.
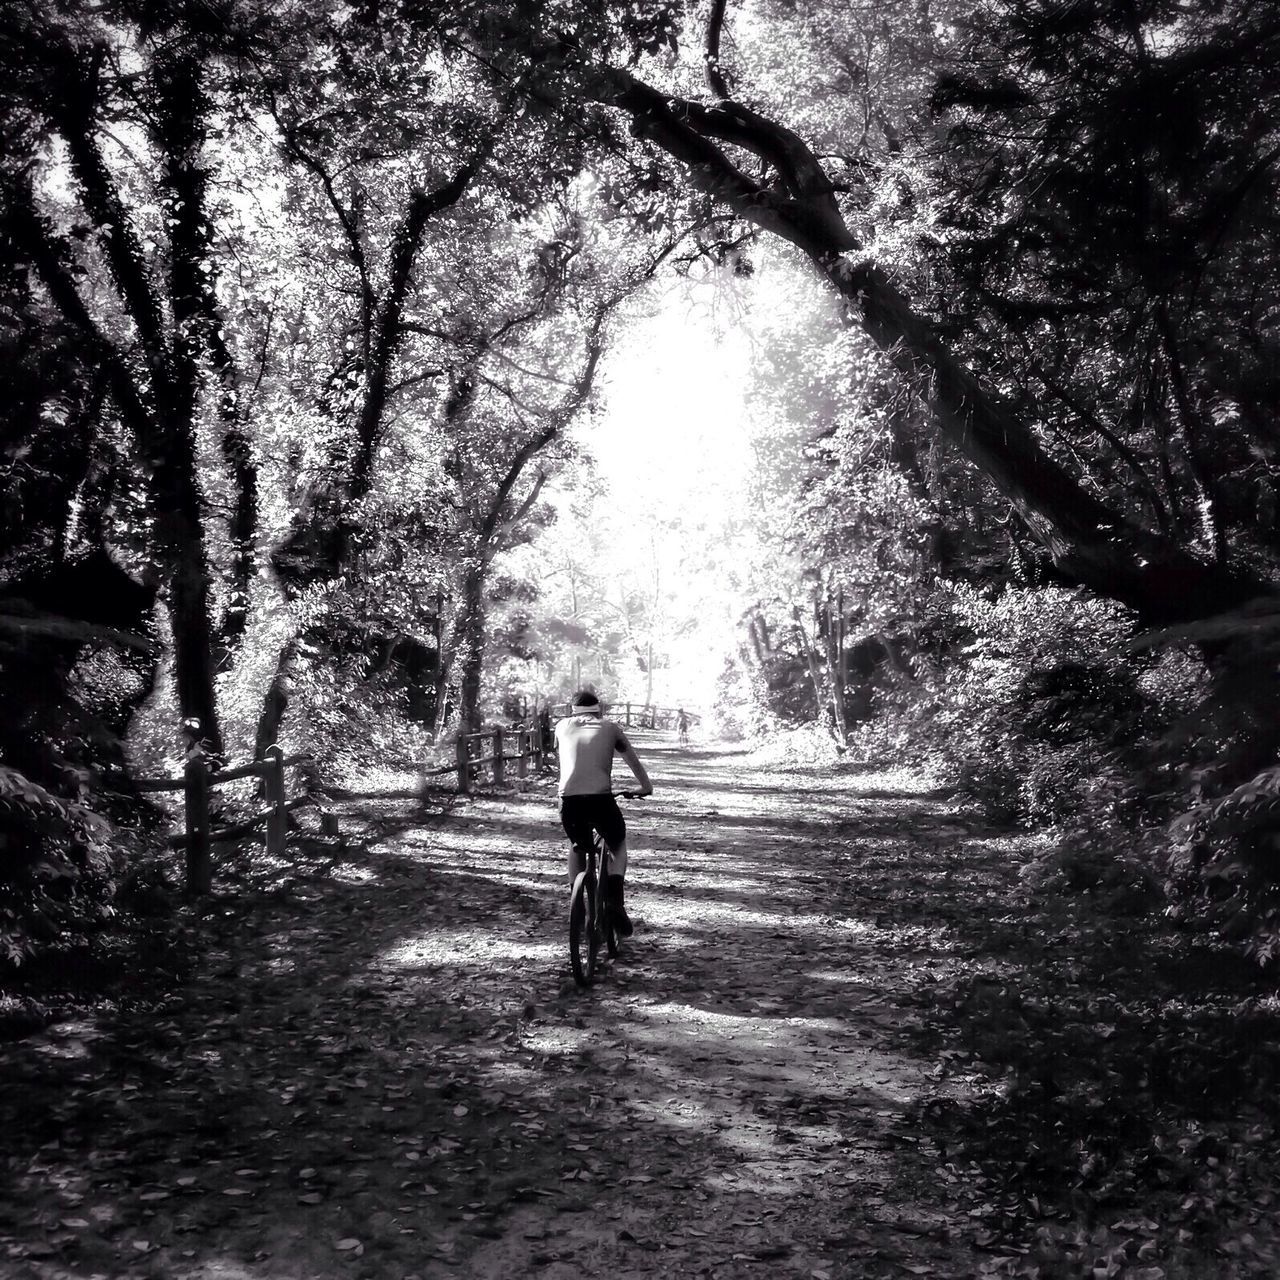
(591, 920)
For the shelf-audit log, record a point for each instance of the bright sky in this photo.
(672, 436)
(674, 457)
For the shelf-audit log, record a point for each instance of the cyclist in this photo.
(682, 727)
(585, 744)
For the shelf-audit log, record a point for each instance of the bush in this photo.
(1024, 707)
(352, 724)
(741, 707)
(58, 869)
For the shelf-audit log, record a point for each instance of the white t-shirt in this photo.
(586, 745)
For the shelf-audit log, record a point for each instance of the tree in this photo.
(1086, 537)
(813, 194)
(149, 337)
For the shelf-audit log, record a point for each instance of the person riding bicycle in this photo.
(586, 743)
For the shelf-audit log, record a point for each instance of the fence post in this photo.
(273, 794)
(627, 716)
(464, 764)
(499, 764)
(195, 794)
(522, 746)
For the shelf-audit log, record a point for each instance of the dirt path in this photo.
(397, 1077)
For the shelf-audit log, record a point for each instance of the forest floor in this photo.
(842, 1043)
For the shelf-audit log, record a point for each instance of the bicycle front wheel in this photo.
(582, 932)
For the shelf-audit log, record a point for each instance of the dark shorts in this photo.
(580, 815)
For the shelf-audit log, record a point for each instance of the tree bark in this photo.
(835, 665)
(470, 633)
(389, 323)
(160, 409)
(811, 661)
(276, 701)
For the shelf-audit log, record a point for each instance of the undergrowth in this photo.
(1107, 1088)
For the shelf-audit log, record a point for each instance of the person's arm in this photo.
(628, 753)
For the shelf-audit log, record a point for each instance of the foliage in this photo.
(60, 859)
(1223, 832)
(1110, 208)
(1031, 699)
(1117, 1104)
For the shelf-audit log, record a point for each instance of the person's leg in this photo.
(612, 826)
(575, 817)
(618, 862)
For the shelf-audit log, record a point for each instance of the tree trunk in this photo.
(276, 701)
(440, 692)
(811, 661)
(470, 648)
(835, 668)
(161, 413)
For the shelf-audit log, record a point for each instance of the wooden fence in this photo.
(198, 780)
(490, 750)
(494, 749)
(521, 745)
(638, 715)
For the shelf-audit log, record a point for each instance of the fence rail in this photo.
(639, 715)
(197, 782)
(521, 745)
(492, 747)
(473, 751)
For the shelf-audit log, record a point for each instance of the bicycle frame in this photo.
(590, 919)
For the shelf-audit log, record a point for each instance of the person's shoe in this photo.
(620, 917)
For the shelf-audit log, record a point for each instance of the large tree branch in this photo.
(346, 219)
(535, 444)
(711, 67)
(389, 324)
(55, 627)
(530, 498)
(481, 343)
(73, 108)
(35, 240)
(685, 130)
(1086, 538)
(560, 418)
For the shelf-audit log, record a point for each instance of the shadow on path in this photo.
(389, 1072)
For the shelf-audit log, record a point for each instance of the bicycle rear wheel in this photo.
(583, 943)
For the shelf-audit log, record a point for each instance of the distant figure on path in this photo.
(586, 743)
(682, 727)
